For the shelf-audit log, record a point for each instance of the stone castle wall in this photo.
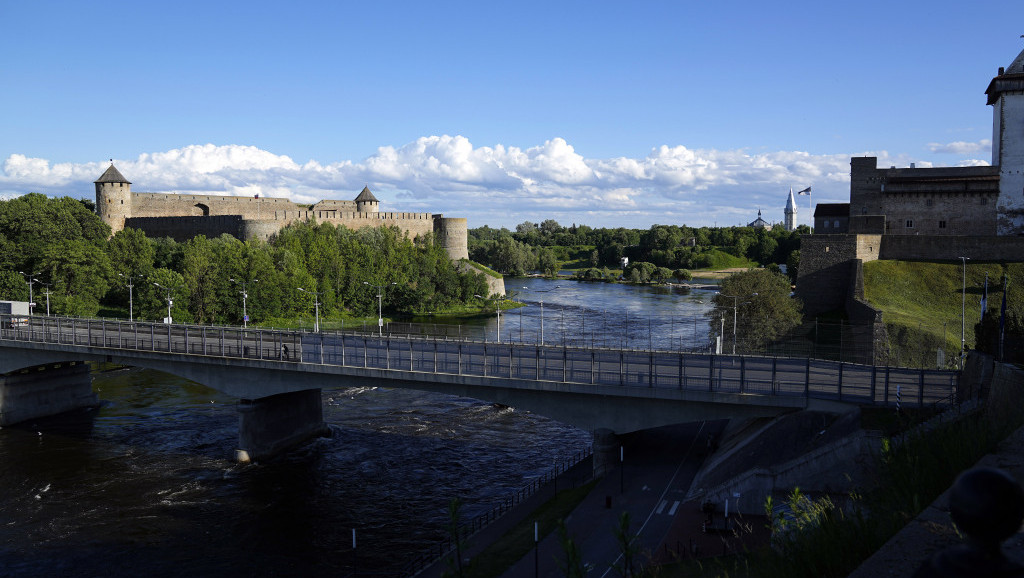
(184, 228)
(827, 263)
(173, 205)
(452, 234)
(951, 248)
(182, 217)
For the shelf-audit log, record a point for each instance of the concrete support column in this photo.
(606, 451)
(45, 390)
(270, 425)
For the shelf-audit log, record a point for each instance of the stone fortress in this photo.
(928, 214)
(182, 217)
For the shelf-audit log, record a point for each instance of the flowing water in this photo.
(145, 484)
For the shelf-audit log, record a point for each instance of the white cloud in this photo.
(498, 186)
(961, 147)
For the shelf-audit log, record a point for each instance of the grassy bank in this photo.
(921, 303)
(518, 541)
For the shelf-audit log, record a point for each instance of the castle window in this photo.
(942, 224)
(824, 225)
(984, 200)
(910, 223)
(835, 224)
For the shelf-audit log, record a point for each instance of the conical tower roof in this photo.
(1010, 79)
(365, 196)
(790, 203)
(112, 175)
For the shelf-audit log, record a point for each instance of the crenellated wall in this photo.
(182, 217)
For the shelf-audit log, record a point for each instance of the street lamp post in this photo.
(735, 306)
(497, 313)
(245, 296)
(47, 285)
(542, 308)
(316, 306)
(170, 302)
(131, 296)
(963, 313)
(380, 306)
(30, 279)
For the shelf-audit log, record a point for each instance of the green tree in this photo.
(79, 273)
(203, 282)
(13, 286)
(793, 265)
(572, 566)
(761, 304)
(151, 300)
(682, 275)
(662, 274)
(547, 262)
(629, 547)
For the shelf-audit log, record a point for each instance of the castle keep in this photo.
(929, 214)
(182, 217)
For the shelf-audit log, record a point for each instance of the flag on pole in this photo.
(984, 299)
(1002, 320)
(806, 191)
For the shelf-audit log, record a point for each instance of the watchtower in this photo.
(113, 198)
(366, 202)
(1006, 95)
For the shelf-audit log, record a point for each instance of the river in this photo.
(145, 484)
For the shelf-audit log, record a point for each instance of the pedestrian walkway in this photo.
(651, 488)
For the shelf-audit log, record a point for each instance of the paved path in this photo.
(659, 467)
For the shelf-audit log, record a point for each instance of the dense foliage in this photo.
(535, 247)
(65, 246)
(758, 303)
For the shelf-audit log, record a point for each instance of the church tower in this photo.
(790, 212)
(1006, 95)
(113, 198)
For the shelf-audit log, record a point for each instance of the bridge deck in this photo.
(522, 362)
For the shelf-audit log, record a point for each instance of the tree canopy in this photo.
(760, 301)
(64, 246)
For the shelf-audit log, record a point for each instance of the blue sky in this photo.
(603, 113)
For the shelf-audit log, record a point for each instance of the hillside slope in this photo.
(922, 304)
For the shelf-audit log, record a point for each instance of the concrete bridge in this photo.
(278, 376)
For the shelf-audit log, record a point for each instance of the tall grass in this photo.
(833, 541)
(924, 303)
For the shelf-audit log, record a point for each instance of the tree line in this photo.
(75, 265)
(548, 245)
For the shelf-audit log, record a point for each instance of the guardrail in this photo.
(479, 522)
(821, 379)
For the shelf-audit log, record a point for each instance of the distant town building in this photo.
(760, 223)
(790, 212)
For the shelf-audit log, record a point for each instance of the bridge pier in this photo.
(45, 390)
(606, 450)
(270, 425)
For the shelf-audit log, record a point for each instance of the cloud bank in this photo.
(496, 186)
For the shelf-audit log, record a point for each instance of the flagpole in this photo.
(1002, 319)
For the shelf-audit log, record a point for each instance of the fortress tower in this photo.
(113, 199)
(1006, 95)
(790, 212)
(366, 202)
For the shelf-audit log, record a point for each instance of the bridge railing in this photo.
(774, 376)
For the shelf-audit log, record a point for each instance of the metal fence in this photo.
(479, 522)
(822, 379)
